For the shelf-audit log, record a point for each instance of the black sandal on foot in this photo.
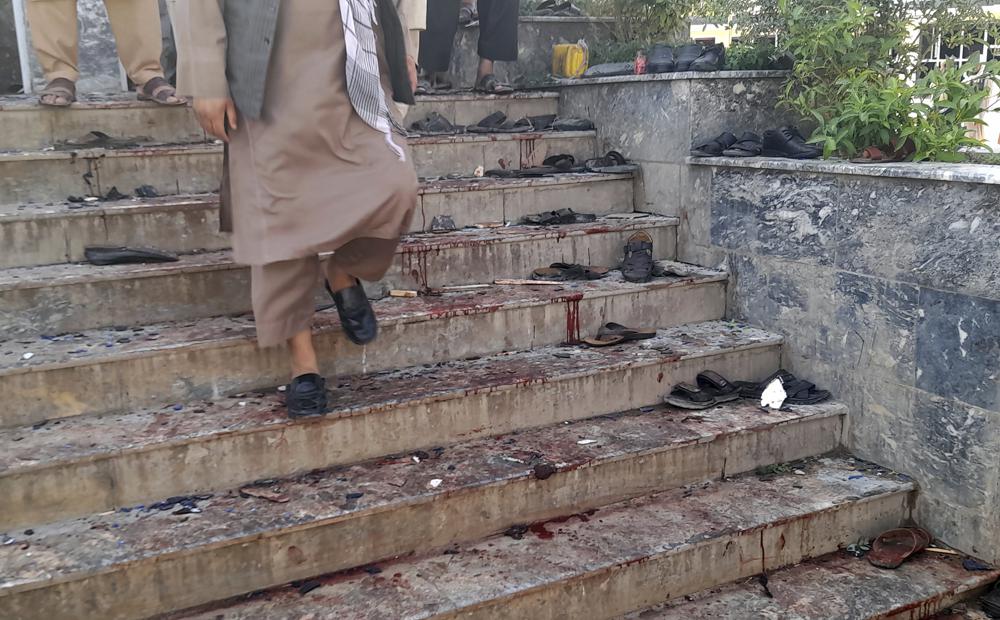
(306, 396)
(490, 85)
(687, 396)
(356, 313)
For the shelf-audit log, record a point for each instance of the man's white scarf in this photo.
(364, 85)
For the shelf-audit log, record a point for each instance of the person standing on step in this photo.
(314, 164)
(136, 24)
(497, 41)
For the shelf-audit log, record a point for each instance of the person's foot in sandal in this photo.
(158, 90)
(59, 93)
(687, 396)
(638, 263)
(890, 549)
(490, 85)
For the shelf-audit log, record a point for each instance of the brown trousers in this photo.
(136, 24)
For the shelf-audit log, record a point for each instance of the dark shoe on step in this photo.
(306, 396)
(788, 142)
(714, 147)
(687, 54)
(112, 255)
(717, 386)
(356, 313)
(638, 263)
(661, 59)
(749, 145)
(712, 59)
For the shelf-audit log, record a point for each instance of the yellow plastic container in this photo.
(570, 60)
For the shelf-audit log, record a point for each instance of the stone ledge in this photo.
(929, 171)
(669, 77)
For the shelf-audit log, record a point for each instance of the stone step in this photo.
(837, 587)
(47, 176)
(39, 234)
(598, 564)
(89, 464)
(57, 299)
(26, 125)
(113, 370)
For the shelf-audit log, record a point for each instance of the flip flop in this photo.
(564, 272)
(490, 85)
(562, 216)
(687, 396)
(749, 145)
(59, 87)
(716, 146)
(890, 549)
(435, 125)
(612, 162)
(628, 333)
(804, 393)
(717, 386)
(489, 124)
(107, 255)
(158, 90)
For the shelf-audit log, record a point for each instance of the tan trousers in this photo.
(136, 24)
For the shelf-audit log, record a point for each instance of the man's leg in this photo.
(55, 37)
(437, 41)
(497, 34)
(136, 24)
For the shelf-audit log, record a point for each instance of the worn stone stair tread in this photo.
(78, 273)
(11, 212)
(102, 345)
(25, 448)
(182, 148)
(837, 586)
(99, 542)
(613, 538)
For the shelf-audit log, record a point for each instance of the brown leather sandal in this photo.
(158, 90)
(59, 87)
(894, 547)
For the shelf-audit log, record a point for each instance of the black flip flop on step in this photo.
(435, 125)
(799, 392)
(572, 124)
(489, 124)
(638, 263)
(616, 333)
(717, 386)
(715, 146)
(687, 396)
(562, 216)
(564, 272)
(755, 390)
(109, 255)
(749, 145)
(612, 162)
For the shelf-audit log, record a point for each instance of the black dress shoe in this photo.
(356, 314)
(687, 54)
(788, 142)
(306, 396)
(712, 59)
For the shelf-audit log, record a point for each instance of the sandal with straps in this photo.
(491, 85)
(638, 263)
(158, 90)
(59, 87)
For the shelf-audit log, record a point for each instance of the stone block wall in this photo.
(654, 119)
(886, 283)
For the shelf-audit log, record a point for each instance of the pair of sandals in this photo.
(799, 392)
(61, 93)
(728, 145)
(712, 389)
(611, 334)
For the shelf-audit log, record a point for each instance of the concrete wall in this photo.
(887, 289)
(654, 119)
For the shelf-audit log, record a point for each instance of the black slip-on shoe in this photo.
(712, 59)
(356, 313)
(306, 396)
(660, 59)
(788, 142)
(687, 54)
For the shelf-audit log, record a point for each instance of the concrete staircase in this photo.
(476, 463)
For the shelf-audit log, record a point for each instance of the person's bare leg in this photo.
(485, 68)
(338, 278)
(303, 354)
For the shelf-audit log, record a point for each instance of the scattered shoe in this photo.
(895, 152)
(612, 162)
(638, 263)
(443, 224)
(717, 386)
(306, 396)
(991, 602)
(713, 58)
(890, 549)
(660, 59)
(789, 143)
(714, 147)
(686, 55)
(614, 333)
(749, 145)
(572, 124)
(490, 85)
(108, 255)
(435, 125)
(564, 272)
(687, 396)
(610, 69)
(356, 314)
(562, 216)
